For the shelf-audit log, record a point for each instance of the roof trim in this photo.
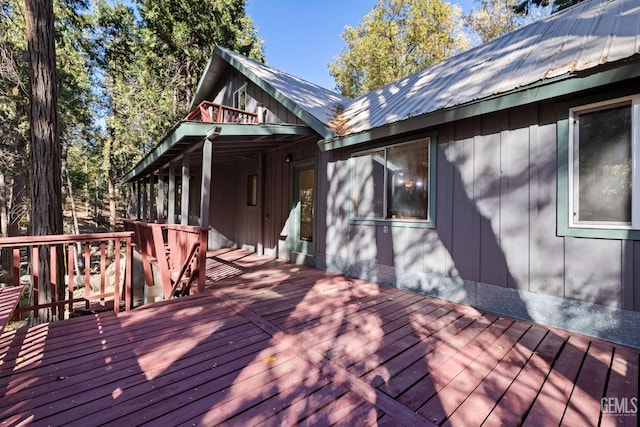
(179, 132)
(300, 112)
(536, 92)
(199, 129)
(203, 78)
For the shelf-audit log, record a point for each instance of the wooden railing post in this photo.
(63, 291)
(202, 259)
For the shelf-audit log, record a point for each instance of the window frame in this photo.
(430, 221)
(236, 96)
(566, 188)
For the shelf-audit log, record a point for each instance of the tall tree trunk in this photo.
(5, 258)
(113, 214)
(188, 78)
(74, 214)
(19, 204)
(46, 185)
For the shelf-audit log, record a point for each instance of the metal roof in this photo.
(579, 38)
(298, 95)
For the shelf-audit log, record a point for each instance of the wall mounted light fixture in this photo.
(288, 158)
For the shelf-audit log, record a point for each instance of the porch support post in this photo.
(171, 208)
(184, 207)
(152, 198)
(145, 202)
(205, 188)
(138, 191)
(160, 213)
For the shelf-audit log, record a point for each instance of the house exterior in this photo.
(507, 177)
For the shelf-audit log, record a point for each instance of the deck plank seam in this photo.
(551, 368)
(356, 385)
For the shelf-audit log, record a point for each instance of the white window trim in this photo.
(426, 140)
(635, 163)
(237, 92)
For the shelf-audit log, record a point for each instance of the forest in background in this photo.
(126, 73)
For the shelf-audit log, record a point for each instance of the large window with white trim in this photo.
(392, 182)
(604, 176)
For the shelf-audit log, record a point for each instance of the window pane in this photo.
(368, 185)
(408, 169)
(604, 165)
(305, 197)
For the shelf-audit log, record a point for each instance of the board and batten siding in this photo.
(265, 227)
(495, 243)
(278, 196)
(276, 112)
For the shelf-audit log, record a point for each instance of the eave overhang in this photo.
(232, 141)
(557, 87)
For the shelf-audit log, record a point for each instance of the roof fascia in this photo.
(198, 129)
(536, 92)
(202, 79)
(183, 130)
(299, 112)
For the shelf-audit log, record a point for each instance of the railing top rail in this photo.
(196, 113)
(179, 227)
(61, 238)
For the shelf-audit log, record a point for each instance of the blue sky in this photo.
(302, 36)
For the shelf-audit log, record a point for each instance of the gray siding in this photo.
(276, 112)
(265, 227)
(278, 196)
(495, 223)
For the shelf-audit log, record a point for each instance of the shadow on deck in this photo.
(273, 343)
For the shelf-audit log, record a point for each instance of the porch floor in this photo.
(273, 343)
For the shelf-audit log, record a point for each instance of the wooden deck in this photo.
(272, 343)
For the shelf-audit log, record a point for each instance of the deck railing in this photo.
(178, 251)
(210, 112)
(90, 273)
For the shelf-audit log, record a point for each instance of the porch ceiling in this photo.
(233, 142)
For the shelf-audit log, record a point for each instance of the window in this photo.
(252, 190)
(393, 182)
(604, 183)
(240, 98)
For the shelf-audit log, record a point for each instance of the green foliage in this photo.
(180, 37)
(131, 70)
(397, 38)
(76, 116)
(526, 7)
(493, 18)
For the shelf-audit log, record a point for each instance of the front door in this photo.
(304, 209)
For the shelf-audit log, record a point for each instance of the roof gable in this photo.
(311, 103)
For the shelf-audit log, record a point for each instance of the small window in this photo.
(252, 190)
(604, 187)
(392, 182)
(240, 98)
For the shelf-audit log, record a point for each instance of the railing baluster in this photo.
(63, 290)
(87, 268)
(128, 274)
(16, 266)
(71, 258)
(35, 274)
(103, 268)
(116, 279)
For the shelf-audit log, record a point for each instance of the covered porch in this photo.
(273, 343)
(226, 177)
